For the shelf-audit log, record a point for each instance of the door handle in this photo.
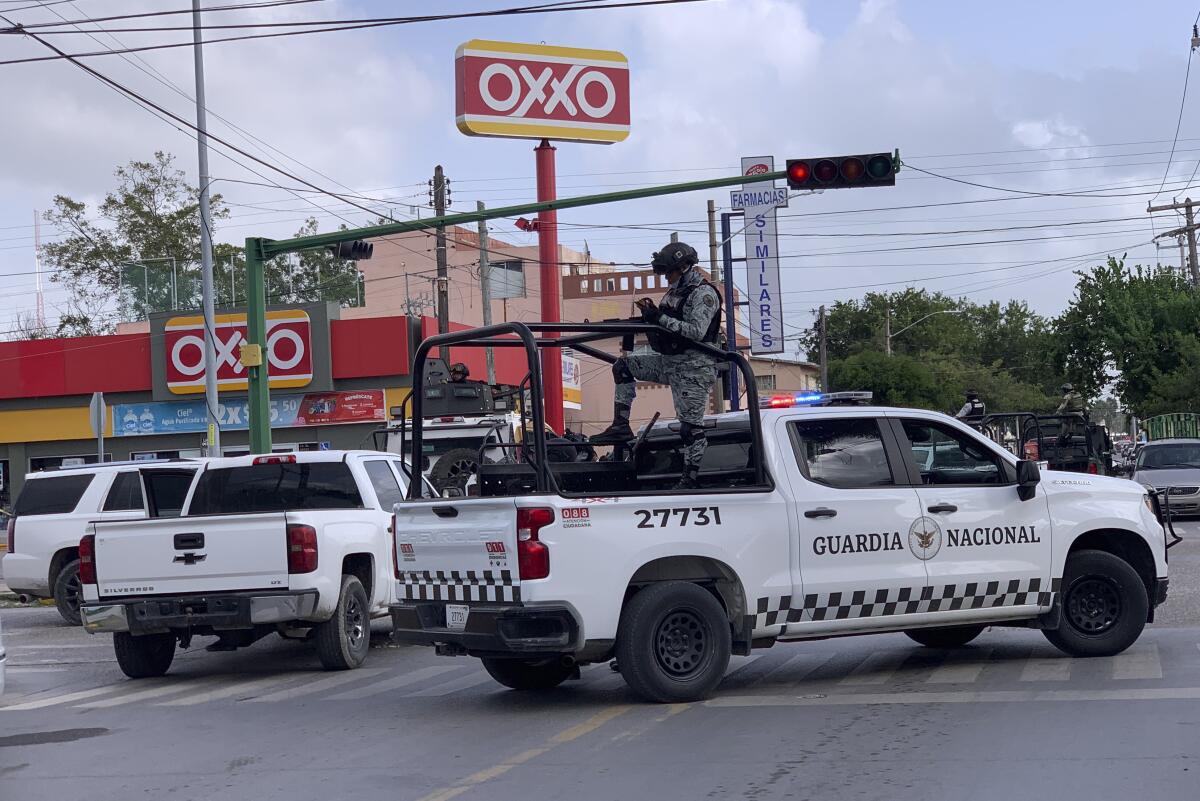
(821, 511)
(445, 511)
(943, 507)
(189, 542)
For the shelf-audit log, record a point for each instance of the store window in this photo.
(765, 383)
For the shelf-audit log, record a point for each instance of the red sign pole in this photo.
(551, 285)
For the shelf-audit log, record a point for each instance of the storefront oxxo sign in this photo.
(541, 91)
(288, 350)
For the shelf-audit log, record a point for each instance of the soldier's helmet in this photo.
(972, 395)
(459, 369)
(675, 256)
(1067, 388)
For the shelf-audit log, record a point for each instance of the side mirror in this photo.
(1029, 475)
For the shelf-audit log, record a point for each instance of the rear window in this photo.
(275, 488)
(52, 496)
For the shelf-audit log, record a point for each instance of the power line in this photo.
(543, 9)
(1179, 121)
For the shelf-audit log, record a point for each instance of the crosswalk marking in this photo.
(452, 686)
(1139, 662)
(336, 680)
(55, 700)
(237, 688)
(403, 680)
(1046, 669)
(154, 690)
(875, 669)
(960, 672)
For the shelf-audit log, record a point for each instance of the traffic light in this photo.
(355, 250)
(843, 172)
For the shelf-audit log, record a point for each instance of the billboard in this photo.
(288, 351)
(536, 91)
(287, 411)
(572, 383)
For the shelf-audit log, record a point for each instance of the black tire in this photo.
(68, 592)
(144, 656)
(945, 637)
(454, 469)
(344, 639)
(528, 674)
(1104, 605)
(673, 642)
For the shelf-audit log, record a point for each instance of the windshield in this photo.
(1175, 455)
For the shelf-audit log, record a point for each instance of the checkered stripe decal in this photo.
(458, 585)
(903, 601)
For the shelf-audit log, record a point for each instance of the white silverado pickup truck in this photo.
(857, 520)
(285, 542)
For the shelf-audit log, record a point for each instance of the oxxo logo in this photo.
(288, 351)
(535, 91)
(522, 89)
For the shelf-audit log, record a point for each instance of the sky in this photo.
(1077, 101)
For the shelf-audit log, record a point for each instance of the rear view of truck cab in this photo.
(291, 543)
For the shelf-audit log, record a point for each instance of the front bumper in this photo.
(490, 628)
(223, 612)
(1160, 591)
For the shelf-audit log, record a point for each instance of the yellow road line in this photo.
(499, 769)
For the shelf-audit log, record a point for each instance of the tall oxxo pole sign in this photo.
(543, 92)
(758, 200)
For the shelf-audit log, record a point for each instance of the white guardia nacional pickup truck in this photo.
(292, 543)
(857, 520)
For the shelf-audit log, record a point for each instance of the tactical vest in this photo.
(672, 306)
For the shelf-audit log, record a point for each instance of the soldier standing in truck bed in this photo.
(691, 311)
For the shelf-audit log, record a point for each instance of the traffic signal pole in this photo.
(259, 399)
(259, 250)
(551, 285)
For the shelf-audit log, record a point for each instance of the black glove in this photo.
(651, 314)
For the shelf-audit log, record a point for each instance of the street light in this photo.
(888, 334)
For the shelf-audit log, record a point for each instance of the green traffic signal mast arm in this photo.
(269, 248)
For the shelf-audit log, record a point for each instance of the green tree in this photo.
(1138, 329)
(140, 253)
(895, 380)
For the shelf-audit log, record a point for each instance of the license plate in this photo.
(456, 616)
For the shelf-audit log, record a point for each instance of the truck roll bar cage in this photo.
(571, 335)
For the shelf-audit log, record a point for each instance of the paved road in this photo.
(855, 718)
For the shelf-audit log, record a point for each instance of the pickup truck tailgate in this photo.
(464, 549)
(183, 555)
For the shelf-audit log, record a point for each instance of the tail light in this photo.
(302, 548)
(286, 458)
(1092, 469)
(533, 556)
(12, 534)
(87, 559)
(395, 556)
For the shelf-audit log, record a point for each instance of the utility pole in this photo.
(713, 270)
(887, 330)
(206, 265)
(443, 280)
(1190, 230)
(822, 346)
(485, 290)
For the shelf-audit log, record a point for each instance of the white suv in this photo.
(53, 511)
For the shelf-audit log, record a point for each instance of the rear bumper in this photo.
(490, 628)
(223, 612)
(24, 573)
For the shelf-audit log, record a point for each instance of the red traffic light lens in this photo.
(879, 166)
(798, 172)
(825, 171)
(853, 169)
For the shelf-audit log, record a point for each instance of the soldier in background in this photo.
(973, 409)
(691, 310)
(458, 373)
(1072, 401)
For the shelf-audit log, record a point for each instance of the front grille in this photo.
(1182, 490)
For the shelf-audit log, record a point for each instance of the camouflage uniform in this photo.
(689, 374)
(1072, 402)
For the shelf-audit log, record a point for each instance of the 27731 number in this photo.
(681, 515)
